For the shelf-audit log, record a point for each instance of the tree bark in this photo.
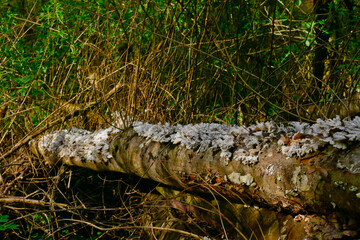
(313, 184)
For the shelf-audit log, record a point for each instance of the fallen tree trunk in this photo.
(298, 168)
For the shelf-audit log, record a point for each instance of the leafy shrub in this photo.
(5, 226)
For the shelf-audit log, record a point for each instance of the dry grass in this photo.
(186, 68)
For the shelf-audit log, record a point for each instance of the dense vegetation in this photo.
(74, 62)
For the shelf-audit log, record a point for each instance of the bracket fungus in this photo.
(260, 164)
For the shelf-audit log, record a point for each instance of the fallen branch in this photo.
(298, 168)
(27, 201)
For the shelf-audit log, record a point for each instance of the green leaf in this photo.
(4, 218)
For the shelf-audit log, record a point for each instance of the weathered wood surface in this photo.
(309, 184)
(282, 173)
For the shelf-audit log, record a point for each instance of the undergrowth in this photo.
(74, 63)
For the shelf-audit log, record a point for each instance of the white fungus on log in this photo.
(295, 138)
(236, 143)
(293, 166)
(78, 144)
